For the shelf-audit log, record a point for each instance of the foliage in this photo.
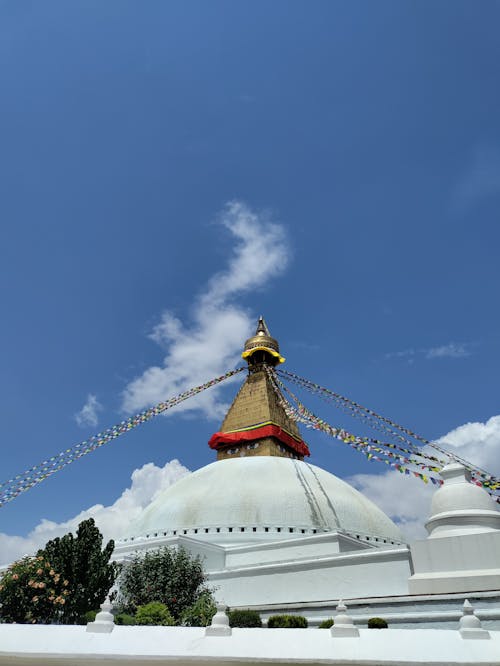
(125, 619)
(33, 591)
(171, 576)
(377, 623)
(80, 560)
(326, 624)
(244, 618)
(287, 622)
(89, 616)
(200, 613)
(155, 613)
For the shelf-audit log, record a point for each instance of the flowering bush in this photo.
(70, 576)
(32, 591)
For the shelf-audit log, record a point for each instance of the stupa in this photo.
(260, 488)
(278, 533)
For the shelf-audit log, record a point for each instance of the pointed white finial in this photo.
(220, 622)
(104, 622)
(470, 624)
(343, 626)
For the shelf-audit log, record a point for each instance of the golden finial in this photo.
(265, 344)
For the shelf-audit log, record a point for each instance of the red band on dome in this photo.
(220, 439)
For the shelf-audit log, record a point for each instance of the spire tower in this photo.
(256, 423)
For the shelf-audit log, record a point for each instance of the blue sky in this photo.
(360, 145)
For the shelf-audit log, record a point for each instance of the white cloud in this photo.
(407, 499)
(477, 442)
(210, 344)
(113, 520)
(88, 413)
(449, 350)
(404, 499)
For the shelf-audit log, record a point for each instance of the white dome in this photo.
(254, 498)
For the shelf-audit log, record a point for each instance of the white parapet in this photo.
(34, 645)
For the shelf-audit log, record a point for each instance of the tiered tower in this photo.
(256, 423)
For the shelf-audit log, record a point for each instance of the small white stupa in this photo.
(462, 551)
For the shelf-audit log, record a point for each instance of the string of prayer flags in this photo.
(300, 413)
(22, 482)
(487, 479)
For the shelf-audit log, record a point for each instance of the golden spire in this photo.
(256, 423)
(262, 347)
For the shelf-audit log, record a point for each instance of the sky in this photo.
(171, 171)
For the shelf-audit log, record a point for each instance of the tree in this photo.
(85, 565)
(171, 576)
(33, 591)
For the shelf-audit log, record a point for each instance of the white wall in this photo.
(456, 564)
(369, 573)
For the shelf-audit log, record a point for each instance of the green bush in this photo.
(124, 619)
(200, 614)
(326, 624)
(377, 623)
(89, 616)
(244, 618)
(173, 577)
(155, 613)
(287, 622)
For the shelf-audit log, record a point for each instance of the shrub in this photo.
(173, 577)
(155, 613)
(287, 622)
(244, 618)
(200, 613)
(377, 623)
(326, 624)
(90, 616)
(124, 619)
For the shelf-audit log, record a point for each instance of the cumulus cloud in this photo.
(87, 416)
(477, 442)
(449, 350)
(113, 521)
(407, 500)
(209, 344)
